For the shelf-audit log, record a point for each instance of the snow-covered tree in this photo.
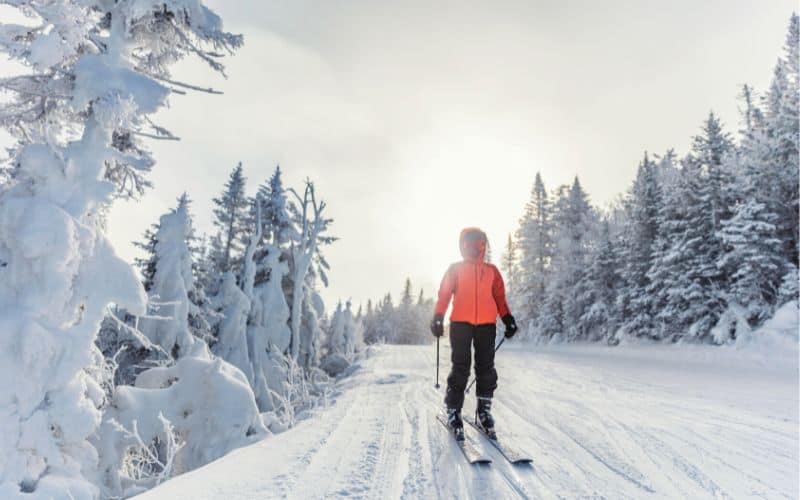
(198, 419)
(534, 246)
(753, 260)
(171, 283)
(781, 125)
(231, 216)
(353, 332)
(306, 261)
(573, 219)
(96, 71)
(336, 331)
(510, 269)
(407, 328)
(275, 211)
(639, 238)
(599, 288)
(406, 323)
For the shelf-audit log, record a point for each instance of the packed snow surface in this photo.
(627, 422)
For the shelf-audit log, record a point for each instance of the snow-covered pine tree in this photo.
(642, 205)
(188, 399)
(534, 246)
(353, 332)
(385, 320)
(781, 123)
(407, 328)
(424, 312)
(276, 219)
(146, 263)
(510, 268)
(687, 285)
(96, 72)
(753, 259)
(573, 220)
(336, 338)
(275, 213)
(370, 326)
(599, 288)
(231, 217)
(171, 283)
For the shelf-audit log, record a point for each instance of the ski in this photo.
(511, 454)
(468, 446)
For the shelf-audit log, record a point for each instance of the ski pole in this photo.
(495, 350)
(437, 362)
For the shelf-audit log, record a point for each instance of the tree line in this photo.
(402, 323)
(702, 247)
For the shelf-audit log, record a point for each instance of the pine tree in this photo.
(535, 251)
(353, 332)
(277, 229)
(781, 123)
(754, 259)
(405, 318)
(685, 277)
(573, 218)
(172, 283)
(231, 216)
(336, 334)
(147, 263)
(79, 114)
(275, 211)
(509, 266)
(642, 206)
(710, 150)
(599, 290)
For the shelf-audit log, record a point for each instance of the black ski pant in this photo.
(462, 337)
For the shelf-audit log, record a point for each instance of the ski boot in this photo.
(455, 423)
(483, 417)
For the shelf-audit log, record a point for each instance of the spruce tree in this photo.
(754, 259)
(642, 206)
(231, 217)
(781, 123)
(599, 288)
(573, 218)
(535, 246)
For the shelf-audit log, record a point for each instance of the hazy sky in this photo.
(418, 118)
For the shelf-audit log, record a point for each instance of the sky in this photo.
(417, 118)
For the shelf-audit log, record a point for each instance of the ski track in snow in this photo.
(597, 424)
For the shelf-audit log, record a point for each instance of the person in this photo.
(478, 294)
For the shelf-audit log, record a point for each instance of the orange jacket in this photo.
(476, 287)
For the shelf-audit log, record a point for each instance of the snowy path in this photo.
(658, 422)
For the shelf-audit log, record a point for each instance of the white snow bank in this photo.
(778, 335)
(208, 406)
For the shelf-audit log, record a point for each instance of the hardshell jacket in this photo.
(476, 287)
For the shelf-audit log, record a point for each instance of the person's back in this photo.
(478, 294)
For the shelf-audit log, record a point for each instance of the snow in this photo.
(208, 402)
(634, 421)
(778, 334)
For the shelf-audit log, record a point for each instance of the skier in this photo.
(479, 296)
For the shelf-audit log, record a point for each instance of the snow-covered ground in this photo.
(625, 422)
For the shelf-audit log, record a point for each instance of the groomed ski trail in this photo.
(598, 422)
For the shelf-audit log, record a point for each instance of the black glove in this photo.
(437, 325)
(511, 325)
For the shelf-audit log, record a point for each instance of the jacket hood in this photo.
(472, 243)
